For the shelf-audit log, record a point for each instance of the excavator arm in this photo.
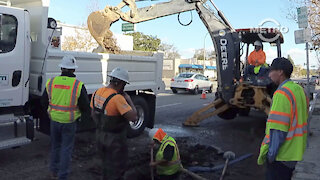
(225, 39)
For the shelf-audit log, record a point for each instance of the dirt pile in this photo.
(87, 163)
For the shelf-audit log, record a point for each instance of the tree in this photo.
(81, 40)
(170, 51)
(199, 54)
(144, 42)
(295, 72)
(313, 16)
(93, 6)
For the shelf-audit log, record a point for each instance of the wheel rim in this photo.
(136, 125)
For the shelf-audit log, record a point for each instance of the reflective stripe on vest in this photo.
(50, 92)
(72, 108)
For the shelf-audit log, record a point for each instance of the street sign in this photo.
(302, 17)
(302, 36)
(128, 27)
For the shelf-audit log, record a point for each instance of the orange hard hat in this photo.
(157, 134)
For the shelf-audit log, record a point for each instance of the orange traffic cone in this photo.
(203, 95)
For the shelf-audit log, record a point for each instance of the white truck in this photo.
(29, 55)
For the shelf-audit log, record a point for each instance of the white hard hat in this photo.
(258, 43)
(68, 62)
(120, 74)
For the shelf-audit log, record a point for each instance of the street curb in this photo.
(309, 167)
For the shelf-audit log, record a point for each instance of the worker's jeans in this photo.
(278, 171)
(62, 141)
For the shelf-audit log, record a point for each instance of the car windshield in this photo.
(185, 75)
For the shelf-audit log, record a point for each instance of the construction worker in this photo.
(66, 99)
(167, 159)
(286, 129)
(257, 61)
(112, 109)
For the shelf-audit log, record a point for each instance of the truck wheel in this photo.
(210, 89)
(136, 128)
(195, 90)
(174, 90)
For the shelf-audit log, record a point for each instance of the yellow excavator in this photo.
(234, 96)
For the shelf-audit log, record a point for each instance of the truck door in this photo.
(14, 56)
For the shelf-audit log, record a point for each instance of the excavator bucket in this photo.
(99, 23)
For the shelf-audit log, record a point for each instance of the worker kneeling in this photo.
(167, 159)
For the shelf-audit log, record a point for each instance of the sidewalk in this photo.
(309, 168)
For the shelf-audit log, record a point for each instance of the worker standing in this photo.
(112, 108)
(66, 99)
(286, 129)
(167, 159)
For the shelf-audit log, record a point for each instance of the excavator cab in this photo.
(263, 35)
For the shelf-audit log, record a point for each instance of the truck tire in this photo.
(210, 89)
(136, 128)
(174, 90)
(195, 91)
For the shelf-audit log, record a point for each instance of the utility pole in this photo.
(308, 71)
(204, 52)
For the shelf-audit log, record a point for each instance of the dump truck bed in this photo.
(145, 71)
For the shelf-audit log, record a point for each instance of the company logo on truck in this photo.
(4, 79)
(224, 51)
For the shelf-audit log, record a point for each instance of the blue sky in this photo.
(241, 14)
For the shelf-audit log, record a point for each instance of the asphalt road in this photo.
(242, 135)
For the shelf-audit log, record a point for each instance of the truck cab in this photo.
(15, 46)
(14, 56)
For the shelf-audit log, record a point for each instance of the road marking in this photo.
(165, 94)
(168, 105)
